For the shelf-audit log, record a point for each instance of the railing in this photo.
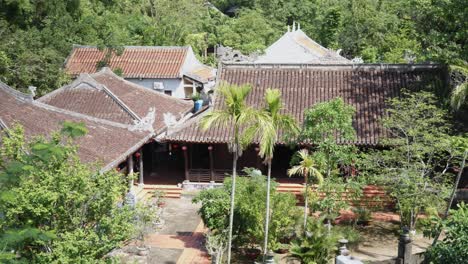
(205, 175)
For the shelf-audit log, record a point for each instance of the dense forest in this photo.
(37, 35)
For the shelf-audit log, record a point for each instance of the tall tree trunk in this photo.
(233, 193)
(452, 196)
(306, 203)
(267, 213)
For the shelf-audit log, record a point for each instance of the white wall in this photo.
(174, 85)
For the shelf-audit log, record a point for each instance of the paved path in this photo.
(180, 240)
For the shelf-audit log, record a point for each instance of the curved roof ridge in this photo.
(18, 95)
(107, 71)
(85, 78)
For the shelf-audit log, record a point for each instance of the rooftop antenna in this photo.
(294, 26)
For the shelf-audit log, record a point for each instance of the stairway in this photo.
(295, 188)
(148, 190)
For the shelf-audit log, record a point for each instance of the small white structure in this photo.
(171, 70)
(296, 47)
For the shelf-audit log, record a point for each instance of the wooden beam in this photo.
(130, 169)
(210, 151)
(141, 167)
(184, 149)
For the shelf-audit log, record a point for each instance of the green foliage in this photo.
(335, 188)
(249, 211)
(37, 36)
(324, 124)
(315, 246)
(54, 208)
(415, 168)
(460, 82)
(452, 249)
(214, 208)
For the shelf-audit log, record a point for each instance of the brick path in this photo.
(181, 238)
(191, 243)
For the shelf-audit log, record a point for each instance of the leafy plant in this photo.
(415, 169)
(307, 169)
(196, 96)
(235, 114)
(452, 249)
(249, 213)
(363, 214)
(314, 246)
(55, 209)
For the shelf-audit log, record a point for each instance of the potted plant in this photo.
(145, 216)
(198, 102)
(363, 216)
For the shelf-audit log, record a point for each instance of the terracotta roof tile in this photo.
(140, 99)
(135, 62)
(366, 88)
(107, 96)
(105, 143)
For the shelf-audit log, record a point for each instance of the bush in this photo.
(454, 247)
(249, 211)
(315, 245)
(55, 209)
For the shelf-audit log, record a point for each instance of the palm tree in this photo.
(234, 115)
(269, 123)
(306, 168)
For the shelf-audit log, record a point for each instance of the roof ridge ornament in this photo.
(228, 54)
(146, 123)
(32, 90)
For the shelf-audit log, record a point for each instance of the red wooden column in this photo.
(212, 174)
(184, 149)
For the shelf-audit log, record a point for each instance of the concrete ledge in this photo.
(192, 186)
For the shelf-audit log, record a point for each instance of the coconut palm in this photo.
(306, 168)
(269, 123)
(235, 114)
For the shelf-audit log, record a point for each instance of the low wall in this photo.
(194, 186)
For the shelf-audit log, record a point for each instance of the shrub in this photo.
(249, 211)
(453, 248)
(315, 245)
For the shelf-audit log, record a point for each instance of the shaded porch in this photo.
(213, 162)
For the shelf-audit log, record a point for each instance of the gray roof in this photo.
(296, 47)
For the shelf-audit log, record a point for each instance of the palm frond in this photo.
(215, 118)
(306, 167)
(459, 96)
(295, 170)
(273, 101)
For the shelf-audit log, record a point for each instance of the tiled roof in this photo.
(107, 96)
(201, 73)
(135, 62)
(140, 100)
(88, 97)
(366, 87)
(106, 142)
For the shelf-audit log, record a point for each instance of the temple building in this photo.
(99, 145)
(170, 70)
(366, 87)
(296, 47)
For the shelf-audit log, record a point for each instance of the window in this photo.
(168, 92)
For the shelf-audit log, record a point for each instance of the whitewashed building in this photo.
(171, 70)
